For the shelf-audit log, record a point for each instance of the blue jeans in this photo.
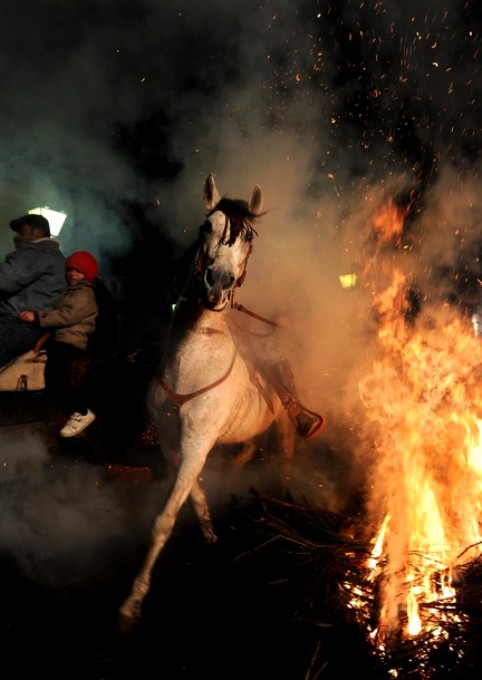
(16, 337)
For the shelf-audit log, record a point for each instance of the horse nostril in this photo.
(218, 277)
(209, 277)
(228, 282)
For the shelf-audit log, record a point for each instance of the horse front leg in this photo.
(186, 480)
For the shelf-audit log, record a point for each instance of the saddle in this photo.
(27, 371)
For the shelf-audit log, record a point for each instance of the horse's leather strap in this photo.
(241, 308)
(179, 399)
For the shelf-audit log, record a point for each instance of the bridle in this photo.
(199, 265)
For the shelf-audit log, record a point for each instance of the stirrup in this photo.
(308, 423)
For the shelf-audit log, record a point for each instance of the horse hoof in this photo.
(129, 617)
(126, 624)
(210, 535)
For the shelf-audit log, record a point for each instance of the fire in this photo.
(423, 399)
(388, 223)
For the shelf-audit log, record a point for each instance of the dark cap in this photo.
(33, 220)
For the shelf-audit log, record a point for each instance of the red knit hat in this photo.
(84, 262)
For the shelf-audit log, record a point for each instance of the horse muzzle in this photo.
(216, 298)
(218, 287)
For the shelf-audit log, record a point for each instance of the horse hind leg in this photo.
(285, 441)
(246, 454)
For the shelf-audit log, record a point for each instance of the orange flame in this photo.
(388, 223)
(423, 399)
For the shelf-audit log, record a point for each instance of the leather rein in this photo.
(179, 399)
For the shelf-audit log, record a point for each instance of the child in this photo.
(71, 322)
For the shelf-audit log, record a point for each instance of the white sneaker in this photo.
(77, 423)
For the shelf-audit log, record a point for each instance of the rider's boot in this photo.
(308, 423)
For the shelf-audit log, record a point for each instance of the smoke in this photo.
(59, 522)
(330, 107)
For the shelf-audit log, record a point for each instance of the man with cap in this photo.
(31, 277)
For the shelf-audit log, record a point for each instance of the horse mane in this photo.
(241, 217)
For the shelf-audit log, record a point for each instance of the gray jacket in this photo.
(32, 276)
(73, 319)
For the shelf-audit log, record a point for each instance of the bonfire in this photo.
(409, 571)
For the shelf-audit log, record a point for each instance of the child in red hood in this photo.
(71, 322)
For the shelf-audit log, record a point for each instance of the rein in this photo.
(179, 399)
(241, 308)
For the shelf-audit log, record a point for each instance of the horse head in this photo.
(225, 243)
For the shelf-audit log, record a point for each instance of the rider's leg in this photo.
(308, 423)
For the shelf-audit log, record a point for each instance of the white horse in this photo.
(204, 392)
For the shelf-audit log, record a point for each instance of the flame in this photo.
(423, 399)
(388, 223)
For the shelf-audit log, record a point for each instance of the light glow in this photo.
(348, 280)
(55, 217)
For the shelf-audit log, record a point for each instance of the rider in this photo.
(31, 277)
(308, 423)
(267, 356)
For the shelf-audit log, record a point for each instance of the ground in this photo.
(264, 602)
(76, 523)
(217, 611)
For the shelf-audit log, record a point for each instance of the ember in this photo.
(137, 475)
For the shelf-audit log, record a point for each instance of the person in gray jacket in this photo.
(31, 277)
(71, 322)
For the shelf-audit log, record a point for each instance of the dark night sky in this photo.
(108, 104)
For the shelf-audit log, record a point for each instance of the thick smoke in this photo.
(117, 111)
(59, 521)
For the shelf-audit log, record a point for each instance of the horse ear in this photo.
(256, 201)
(211, 194)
